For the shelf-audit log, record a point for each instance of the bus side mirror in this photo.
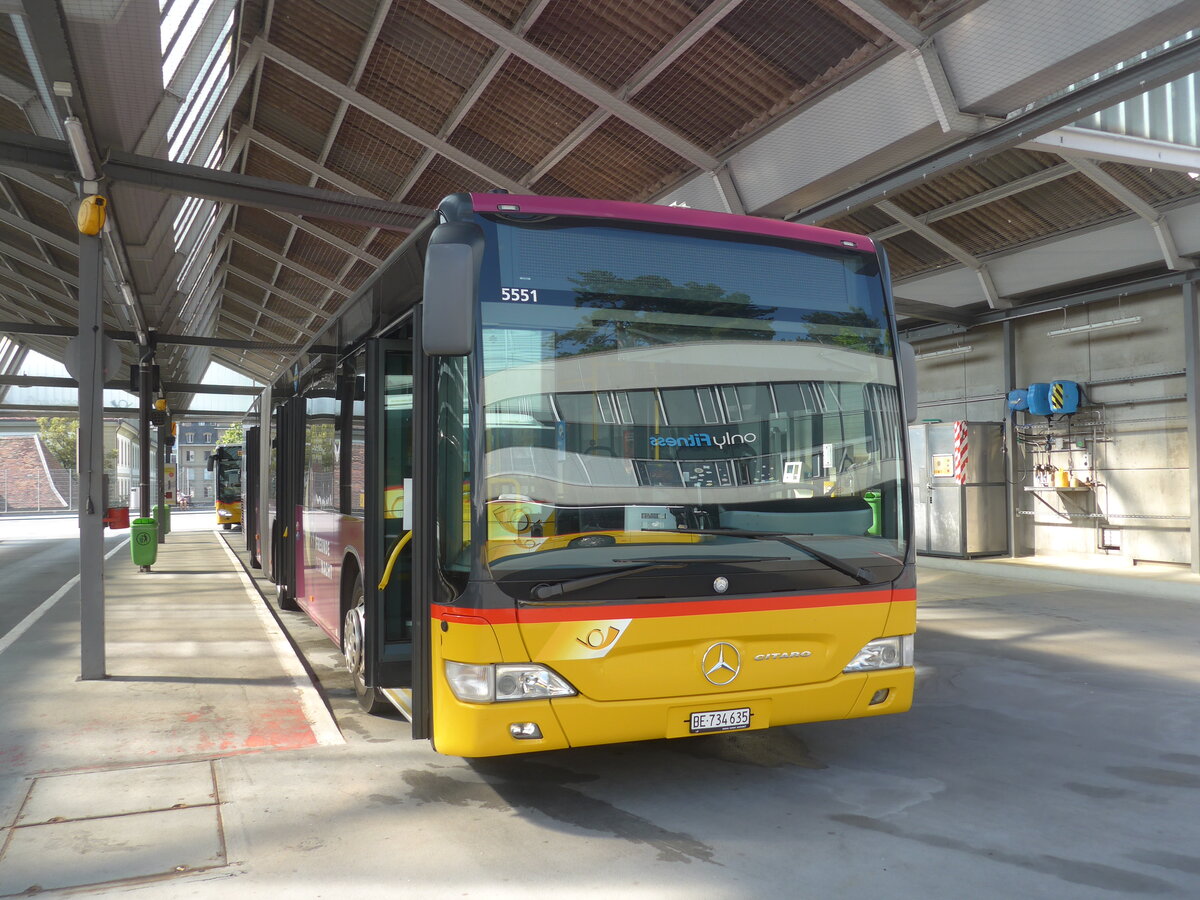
(452, 264)
(908, 378)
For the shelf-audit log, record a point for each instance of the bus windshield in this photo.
(228, 474)
(682, 404)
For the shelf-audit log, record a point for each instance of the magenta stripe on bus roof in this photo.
(670, 215)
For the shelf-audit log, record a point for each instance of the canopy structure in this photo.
(263, 157)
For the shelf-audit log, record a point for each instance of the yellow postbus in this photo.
(568, 472)
(226, 466)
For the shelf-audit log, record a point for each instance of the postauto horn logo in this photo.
(703, 439)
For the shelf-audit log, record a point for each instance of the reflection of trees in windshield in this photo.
(645, 297)
(854, 330)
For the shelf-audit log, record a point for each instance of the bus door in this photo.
(396, 625)
(288, 460)
(250, 497)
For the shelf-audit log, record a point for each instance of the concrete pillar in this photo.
(1191, 320)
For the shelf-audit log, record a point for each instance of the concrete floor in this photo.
(1052, 752)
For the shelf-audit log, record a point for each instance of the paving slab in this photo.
(196, 668)
(117, 848)
(13, 790)
(89, 795)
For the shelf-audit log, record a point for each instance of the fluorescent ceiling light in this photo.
(79, 148)
(1095, 326)
(949, 351)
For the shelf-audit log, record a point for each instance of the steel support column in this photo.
(1011, 471)
(162, 471)
(92, 500)
(266, 546)
(145, 399)
(1191, 320)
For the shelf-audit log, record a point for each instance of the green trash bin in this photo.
(143, 541)
(874, 500)
(163, 514)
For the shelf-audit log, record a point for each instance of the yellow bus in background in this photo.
(226, 464)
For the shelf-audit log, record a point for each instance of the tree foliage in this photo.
(724, 316)
(60, 435)
(234, 434)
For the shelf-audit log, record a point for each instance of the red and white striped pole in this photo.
(960, 452)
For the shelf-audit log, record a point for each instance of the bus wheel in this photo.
(226, 526)
(354, 649)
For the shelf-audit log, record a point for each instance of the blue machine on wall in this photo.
(1054, 398)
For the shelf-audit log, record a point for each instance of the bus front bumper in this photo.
(494, 729)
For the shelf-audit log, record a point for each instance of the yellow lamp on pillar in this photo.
(92, 213)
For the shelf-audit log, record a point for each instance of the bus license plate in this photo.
(720, 720)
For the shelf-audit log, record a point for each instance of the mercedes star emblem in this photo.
(721, 663)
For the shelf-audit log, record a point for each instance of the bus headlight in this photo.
(473, 683)
(883, 653)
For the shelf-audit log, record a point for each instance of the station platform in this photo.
(197, 668)
(1115, 575)
(223, 757)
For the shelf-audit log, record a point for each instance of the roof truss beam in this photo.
(277, 291)
(888, 21)
(258, 307)
(1071, 142)
(981, 199)
(40, 264)
(474, 92)
(317, 169)
(933, 312)
(1135, 79)
(994, 300)
(40, 185)
(671, 51)
(211, 184)
(1157, 220)
(332, 239)
(283, 261)
(585, 87)
(383, 114)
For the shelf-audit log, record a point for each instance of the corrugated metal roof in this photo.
(553, 101)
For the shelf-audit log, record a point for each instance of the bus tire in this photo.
(285, 601)
(354, 648)
(226, 526)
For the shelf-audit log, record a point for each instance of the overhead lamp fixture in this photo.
(127, 293)
(949, 351)
(1095, 326)
(79, 148)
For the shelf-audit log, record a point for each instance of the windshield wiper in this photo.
(550, 591)
(862, 576)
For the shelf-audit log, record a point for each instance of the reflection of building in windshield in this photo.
(725, 423)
